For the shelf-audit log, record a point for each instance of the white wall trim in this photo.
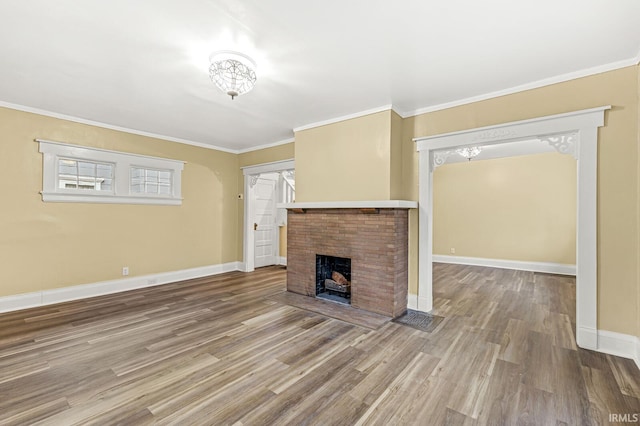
(53, 197)
(122, 163)
(274, 166)
(527, 86)
(618, 344)
(412, 302)
(268, 145)
(64, 294)
(504, 133)
(583, 127)
(112, 127)
(375, 204)
(347, 117)
(281, 260)
(248, 249)
(546, 267)
(402, 113)
(608, 342)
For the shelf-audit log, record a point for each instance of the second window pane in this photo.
(150, 181)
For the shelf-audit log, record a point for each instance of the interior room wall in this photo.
(252, 158)
(515, 208)
(345, 161)
(395, 172)
(283, 241)
(45, 246)
(618, 258)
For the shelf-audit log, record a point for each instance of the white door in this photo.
(264, 220)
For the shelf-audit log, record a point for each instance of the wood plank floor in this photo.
(222, 350)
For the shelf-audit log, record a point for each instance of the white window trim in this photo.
(53, 151)
(147, 168)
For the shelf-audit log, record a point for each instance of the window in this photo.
(74, 173)
(150, 181)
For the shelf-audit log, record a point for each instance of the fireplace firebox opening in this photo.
(333, 278)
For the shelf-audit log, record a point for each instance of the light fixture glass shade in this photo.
(469, 152)
(233, 72)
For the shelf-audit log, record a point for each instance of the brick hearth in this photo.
(376, 241)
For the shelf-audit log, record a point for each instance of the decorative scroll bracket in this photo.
(439, 158)
(253, 179)
(565, 144)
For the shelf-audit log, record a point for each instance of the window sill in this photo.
(108, 199)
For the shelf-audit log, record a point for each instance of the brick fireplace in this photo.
(374, 239)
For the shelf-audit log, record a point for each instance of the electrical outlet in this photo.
(125, 271)
(453, 250)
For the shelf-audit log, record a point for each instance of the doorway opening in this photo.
(265, 186)
(574, 133)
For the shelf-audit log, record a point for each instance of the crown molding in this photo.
(269, 145)
(347, 117)
(491, 132)
(402, 113)
(112, 127)
(528, 86)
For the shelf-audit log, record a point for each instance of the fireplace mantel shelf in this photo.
(382, 204)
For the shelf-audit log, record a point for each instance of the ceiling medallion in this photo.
(234, 73)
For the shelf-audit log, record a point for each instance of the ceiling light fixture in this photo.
(234, 73)
(469, 152)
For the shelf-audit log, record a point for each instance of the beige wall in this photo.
(345, 161)
(617, 173)
(283, 241)
(51, 245)
(396, 190)
(261, 156)
(517, 208)
(267, 155)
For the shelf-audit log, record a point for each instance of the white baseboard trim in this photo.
(608, 342)
(549, 268)
(425, 304)
(282, 261)
(587, 338)
(65, 294)
(412, 302)
(619, 344)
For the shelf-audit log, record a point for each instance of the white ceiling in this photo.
(143, 65)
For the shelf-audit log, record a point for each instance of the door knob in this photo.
(255, 226)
